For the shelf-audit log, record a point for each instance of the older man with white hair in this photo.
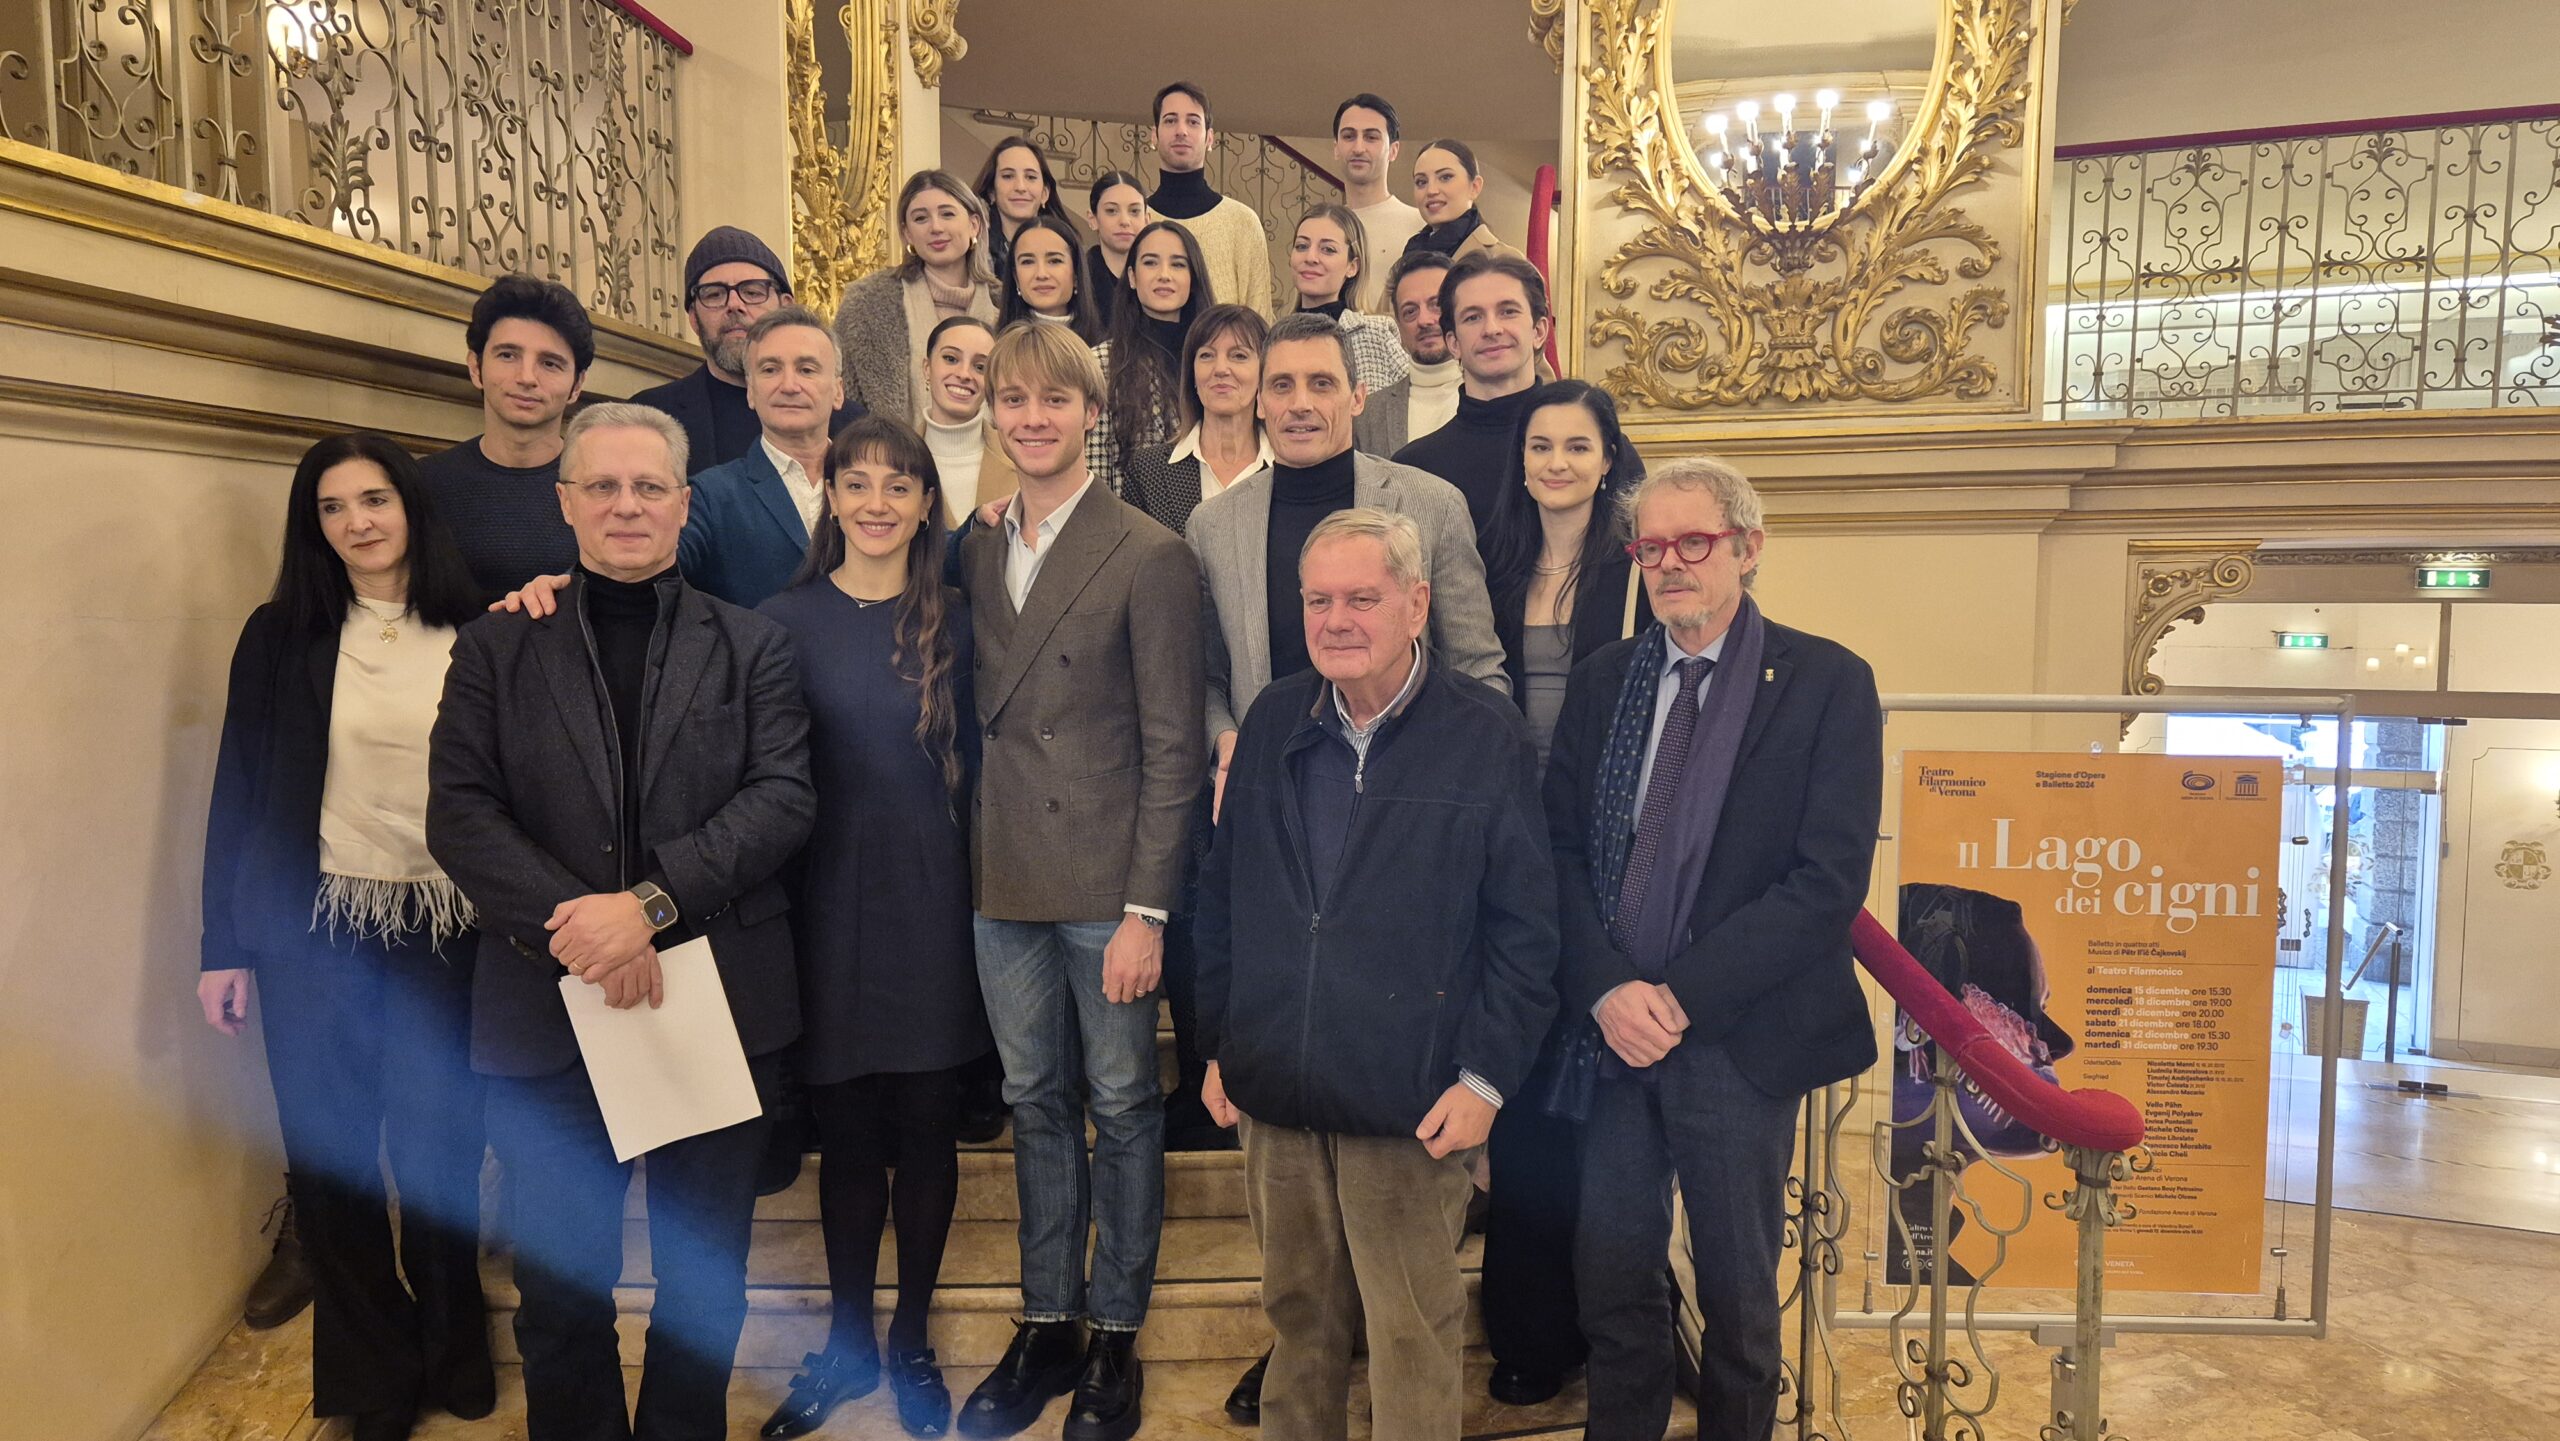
(1377, 935)
(622, 775)
(1713, 793)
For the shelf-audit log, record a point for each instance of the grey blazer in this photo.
(1092, 761)
(1380, 427)
(1230, 531)
(524, 807)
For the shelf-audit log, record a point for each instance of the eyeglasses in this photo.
(713, 295)
(1694, 547)
(606, 492)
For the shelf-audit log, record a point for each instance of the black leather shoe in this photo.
(980, 1124)
(924, 1403)
(1519, 1386)
(827, 1380)
(1212, 1137)
(1043, 1361)
(1106, 1404)
(284, 1288)
(1244, 1404)
(392, 1423)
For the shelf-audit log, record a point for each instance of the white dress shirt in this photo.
(1022, 559)
(805, 490)
(1188, 447)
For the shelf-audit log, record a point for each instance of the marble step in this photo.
(1207, 1301)
(1184, 1399)
(1196, 1184)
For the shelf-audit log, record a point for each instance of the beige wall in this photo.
(2137, 69)
(160, 368)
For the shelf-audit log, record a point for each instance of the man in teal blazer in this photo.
(752, 516)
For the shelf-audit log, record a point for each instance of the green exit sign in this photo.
(2301, 640)
(2453, 577)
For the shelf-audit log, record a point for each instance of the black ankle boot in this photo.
(1106, 1403)
(827, 1380)
(392, 1423)
(924, 1403)
(284, 1287)
(1042, 1362)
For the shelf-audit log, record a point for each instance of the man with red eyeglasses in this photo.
(1713, 796)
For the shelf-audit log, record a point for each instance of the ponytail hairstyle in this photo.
(923, 650)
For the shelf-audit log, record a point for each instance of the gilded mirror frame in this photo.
(1914, 301)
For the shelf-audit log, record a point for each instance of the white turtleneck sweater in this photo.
(957, 450)
(1434, 398)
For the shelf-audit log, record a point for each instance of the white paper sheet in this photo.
(662, 1075)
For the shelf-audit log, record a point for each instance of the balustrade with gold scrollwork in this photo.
(536, 135)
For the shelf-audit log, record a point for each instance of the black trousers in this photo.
(1184, 1111)
(565, 1193)
(892, 1144)
(1692, 1116)
(1531, 1319)
(368, 1045)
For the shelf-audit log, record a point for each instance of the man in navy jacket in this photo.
(752, 516)
(1713, 793)
(1377, 945)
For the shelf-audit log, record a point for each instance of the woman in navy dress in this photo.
(889, 985)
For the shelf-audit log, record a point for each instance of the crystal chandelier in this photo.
(1793, 183)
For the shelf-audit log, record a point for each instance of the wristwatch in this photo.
(1154, 923)
(656, 905)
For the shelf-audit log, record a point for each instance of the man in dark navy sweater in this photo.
(1377, 949)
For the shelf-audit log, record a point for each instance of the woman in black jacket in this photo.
(1563, 586)
(317, 881)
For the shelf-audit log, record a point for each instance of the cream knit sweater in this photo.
(1238, 253)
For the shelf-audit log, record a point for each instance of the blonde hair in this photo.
(1731, 489)
(1039, 354)
(1400, 537)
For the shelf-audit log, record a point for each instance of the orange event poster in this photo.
(2143, 889)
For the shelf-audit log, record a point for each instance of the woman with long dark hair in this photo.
(317, 881)
(1164, 289)
(890, 1010)
(1562, 586)
(1118, 210)
(1017, 187)
(1043, 281)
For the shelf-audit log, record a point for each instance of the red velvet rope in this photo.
(1542, 209)
(2094, 1119)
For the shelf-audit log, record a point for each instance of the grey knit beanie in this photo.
(727, 243)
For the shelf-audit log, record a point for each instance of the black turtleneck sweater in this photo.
(1183, 195)
(1167, 334)
(1106, 287)
(1299, 499)
(1473, 451)
(1330, 310)
(623, 617)
(1444, 239)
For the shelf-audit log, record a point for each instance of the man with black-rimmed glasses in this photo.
(731, 280)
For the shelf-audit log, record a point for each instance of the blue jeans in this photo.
(1067, 1050)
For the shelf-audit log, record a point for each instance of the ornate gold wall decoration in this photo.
(2523, 865)
(840, 195)
(2173, 581)
(1745, 313)
(1546, 26)
(933, 37)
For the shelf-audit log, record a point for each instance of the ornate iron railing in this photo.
(2392, 265)
(1948, 1382)
(1260, 170)
(530, 135)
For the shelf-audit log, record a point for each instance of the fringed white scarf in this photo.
(377, 880)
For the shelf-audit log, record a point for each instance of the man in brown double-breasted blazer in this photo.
(1089, 701)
